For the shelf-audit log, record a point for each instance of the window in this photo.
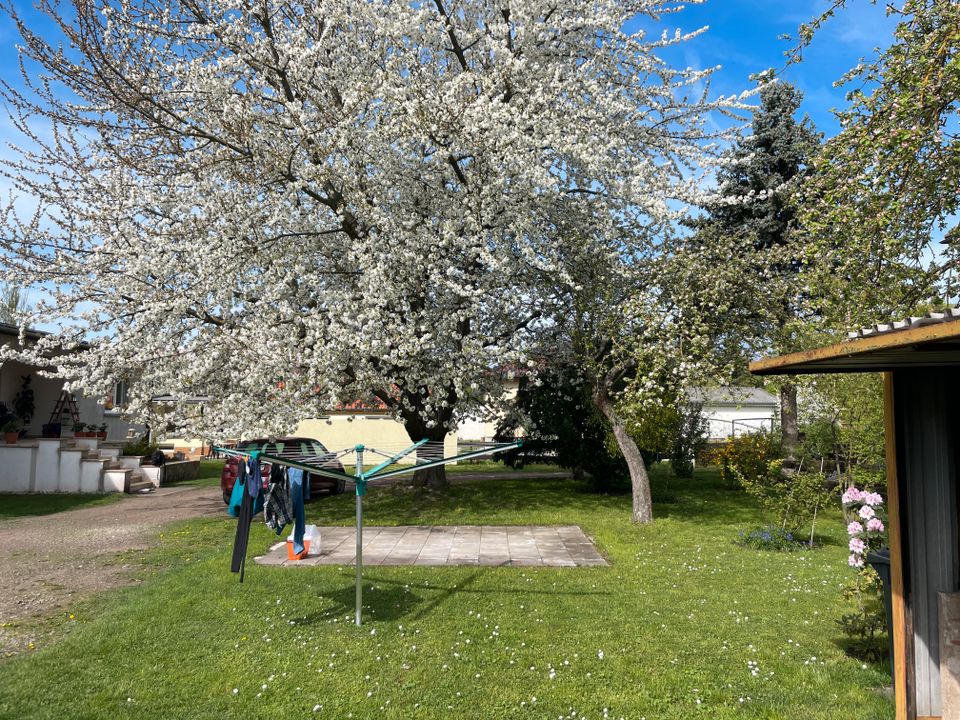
(120, 393)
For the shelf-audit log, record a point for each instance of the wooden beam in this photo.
(899, 639)
(858, 346)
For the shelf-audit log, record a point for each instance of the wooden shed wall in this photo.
(927, 411)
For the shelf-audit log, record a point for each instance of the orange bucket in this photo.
(291, 555)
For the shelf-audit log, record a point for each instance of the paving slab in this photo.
(435, 545)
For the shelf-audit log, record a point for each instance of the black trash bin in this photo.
(880, 561)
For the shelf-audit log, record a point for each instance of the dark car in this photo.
(306, 450)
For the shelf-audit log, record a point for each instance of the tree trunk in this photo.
(639, 480)
(434, 478)
(789, 431)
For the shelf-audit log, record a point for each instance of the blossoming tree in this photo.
(288, 205)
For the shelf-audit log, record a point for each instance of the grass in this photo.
(683, 623)
(16, 506)
(208, 476)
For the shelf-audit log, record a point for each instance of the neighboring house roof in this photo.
(370, 405)
(14, 330)
(932, 340)
(734, 397)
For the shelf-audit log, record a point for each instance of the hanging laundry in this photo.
(245, 517)
(276, 508)
(236, 497)
(299, 481)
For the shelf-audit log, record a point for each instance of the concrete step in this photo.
(91, 475)
(141, 486)
(116, 479)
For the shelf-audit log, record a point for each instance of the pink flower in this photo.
(875, 525)
(855, 561)
(857, 546)
(873, 499)
(866, 512)
(854, 528)
(852, 495)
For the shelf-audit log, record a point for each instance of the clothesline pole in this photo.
(361, 486)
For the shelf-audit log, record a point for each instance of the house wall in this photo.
(46, 392)
(725, 422)
(382, 432)
(928, 450)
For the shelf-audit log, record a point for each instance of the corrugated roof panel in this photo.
(932, 318)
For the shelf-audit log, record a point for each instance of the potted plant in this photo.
(102, 432)
(23, 404)
(79, 430)
(11, 432)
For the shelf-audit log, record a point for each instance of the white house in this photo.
(734, 411)
(61, 463)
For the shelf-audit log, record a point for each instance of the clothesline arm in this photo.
(393, 458)
(445, 461)
(289, 463)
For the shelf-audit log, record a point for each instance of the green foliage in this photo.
(654, 430)
(23, 401)
(141, 446)
(845, 431)
(10, 426)
(13, 304)
(791, 500)
(563, 426)
(689, 440)
(865, 624)
(746, 457)
(887, 183)
(756, 205)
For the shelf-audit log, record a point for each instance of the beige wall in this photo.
(382, 432)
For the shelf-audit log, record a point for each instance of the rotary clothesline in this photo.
(361, 477)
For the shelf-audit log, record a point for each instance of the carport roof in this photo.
(929, 341)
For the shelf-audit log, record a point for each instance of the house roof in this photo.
(14, 330)
(734, 396)
(931, 340)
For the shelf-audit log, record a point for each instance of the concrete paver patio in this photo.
(515, 545)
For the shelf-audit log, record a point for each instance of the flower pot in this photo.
(11, 437)
(102, 435)
(51, 430)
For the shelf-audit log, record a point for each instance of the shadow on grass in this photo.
(15, 506)
(388, 599)
(405, 505)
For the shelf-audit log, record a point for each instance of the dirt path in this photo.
(47, 562)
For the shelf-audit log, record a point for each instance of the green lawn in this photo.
(684, 623)
(14, 506)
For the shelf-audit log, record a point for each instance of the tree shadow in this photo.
(388, 599)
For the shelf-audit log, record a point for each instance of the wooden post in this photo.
(896, 551)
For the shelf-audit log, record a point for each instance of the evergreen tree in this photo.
(755, 202)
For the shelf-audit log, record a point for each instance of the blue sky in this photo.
(743, 39)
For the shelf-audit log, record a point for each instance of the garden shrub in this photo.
(141, 446)
(746, 457)
(689, 440)
(865, 625)
(791, 500)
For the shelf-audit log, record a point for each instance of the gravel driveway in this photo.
(50, 561)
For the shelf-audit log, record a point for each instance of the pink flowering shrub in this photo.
(866, 625)
(863, 538)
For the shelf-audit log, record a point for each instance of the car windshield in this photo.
(290, 447)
